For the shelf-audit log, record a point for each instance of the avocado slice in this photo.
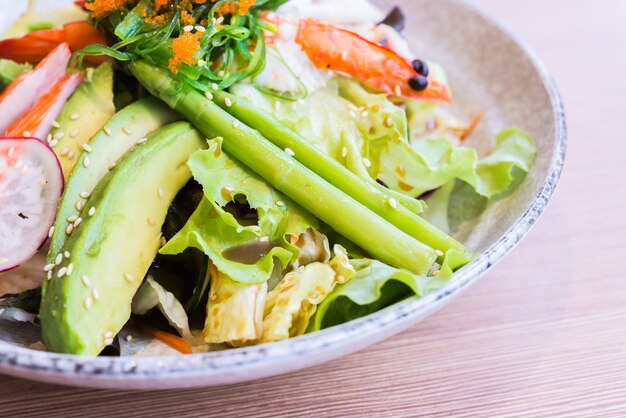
(88, 299)
(119, 135)
(84, 114)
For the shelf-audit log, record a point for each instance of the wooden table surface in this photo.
(544, 334)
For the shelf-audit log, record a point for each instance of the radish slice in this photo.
(27, 89)
(37, 122)
(31, 183)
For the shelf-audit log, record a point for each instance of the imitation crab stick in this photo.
(26, 90)
(379, 68)
(35, 46)
(37, 122)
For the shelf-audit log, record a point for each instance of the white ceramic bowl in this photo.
(491, 71)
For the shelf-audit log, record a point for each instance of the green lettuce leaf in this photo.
(377, 285)
(426, 165)
(245, 253)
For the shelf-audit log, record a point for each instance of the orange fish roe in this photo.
(99, 8)
(184, 49)
(233, 7)
(161, 4)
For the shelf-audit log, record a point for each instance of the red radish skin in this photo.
(31, 184)
(26, 90)
(37, 122)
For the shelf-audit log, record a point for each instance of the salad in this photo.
(209, 174)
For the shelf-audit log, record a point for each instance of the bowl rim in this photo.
(17, 360)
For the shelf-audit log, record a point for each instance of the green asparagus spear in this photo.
(344, 214)
(338, 175)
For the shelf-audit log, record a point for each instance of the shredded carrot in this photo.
(172, 340)
(184, 49)
(100, 8)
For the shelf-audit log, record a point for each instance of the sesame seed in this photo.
(92, 211)
(61, 272)
(160, 193)
(208, 95)
(70, 269)
(69, 229)
(74, 116)
(87, 303)
(393, 202)
(129, 338)
(11, 151)
(108, 334)
(264, 239)
(280, 203)
(58, 259)
(142, 140)
(290, 151)
(150, 221)
(85, 281)
(49, 138)
(367, 163)
(344, 152)
(108, 341)
(79, 205)
(84, 195)
(56, 124)
(49, 267)
(129, 277)
(344, 56)
(95, 293)
(74, 133)
(78, 222)
(228, 102)
(66, 254)
(86, 147)
(439, 253)
(277, 106)
(437, 273)
(106, 130)
(58, 135)
(127, 130)
(86, 162)
(352, 114)
(235, 124)
(71, 154)
(49, 275)
(53, 143)
(219, 20)
(64, 151)
(72, 218)
(215, 87)
(364, 114)
(388, 122)
(221, 73)
(200, 29)
(188, 28)
(28, 133)
(398, 90)
(51, 231)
